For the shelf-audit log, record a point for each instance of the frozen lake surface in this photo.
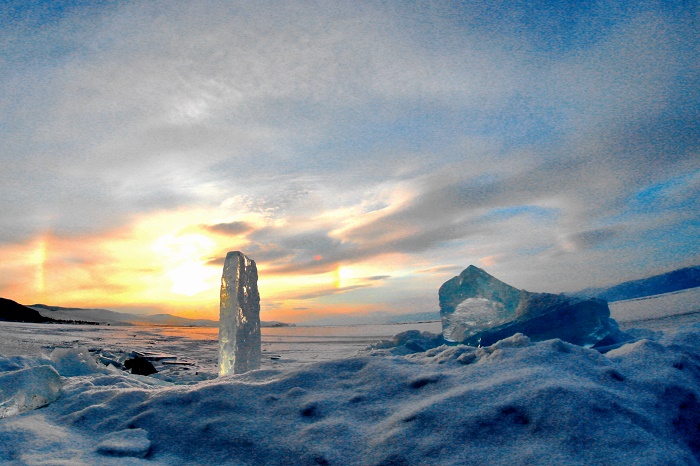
(666, 312)
(316, 401)
(196, 348)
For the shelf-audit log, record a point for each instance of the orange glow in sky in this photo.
(166, 262)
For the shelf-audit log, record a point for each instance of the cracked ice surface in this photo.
(239, 321)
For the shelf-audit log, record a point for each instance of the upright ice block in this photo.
(239, 320)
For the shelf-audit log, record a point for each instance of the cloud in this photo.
(231, 228)
(374, 132)
(377, 278)
(218, 261)
(443, 269)
(155, 105)
(591, 238)
(293, 248)
(325, 292)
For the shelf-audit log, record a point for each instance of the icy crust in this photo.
(514, 402)
(239, 320)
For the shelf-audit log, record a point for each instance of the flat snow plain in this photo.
(515, 402)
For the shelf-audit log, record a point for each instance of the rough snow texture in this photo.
(515, 402)
(239, 321)
(128, 442)
(408, 342)
(478, 309)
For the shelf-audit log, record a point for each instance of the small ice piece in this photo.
(126, 443)
(239, 320)
(27, 389)
(478, 309)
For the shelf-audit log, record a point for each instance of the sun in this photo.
(190, 278)
(183, 265)
(344, 276)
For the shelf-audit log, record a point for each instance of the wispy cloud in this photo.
(230, 228)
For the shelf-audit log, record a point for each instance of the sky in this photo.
(361, 152)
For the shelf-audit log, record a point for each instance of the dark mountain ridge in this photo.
(12, 311)
(106, 316)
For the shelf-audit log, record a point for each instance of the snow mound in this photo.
(516, 401)
(408, 342)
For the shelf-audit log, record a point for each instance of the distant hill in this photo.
(103, 316)
(123, 318)
(168, 319)
(676, 280)
(12, 311)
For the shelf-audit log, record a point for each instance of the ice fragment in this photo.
(27, 389)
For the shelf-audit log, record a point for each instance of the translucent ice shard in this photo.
(239, 320)
(26, 389)
(478, 309)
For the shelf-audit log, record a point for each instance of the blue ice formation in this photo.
(479, 310)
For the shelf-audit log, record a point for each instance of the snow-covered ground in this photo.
(515, 402)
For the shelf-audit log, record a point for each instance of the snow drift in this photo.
(514, 402)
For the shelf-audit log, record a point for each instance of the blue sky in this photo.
(361, 152)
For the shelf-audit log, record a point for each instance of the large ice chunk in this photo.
(478, 309)
(239, 321)
(26, 389)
